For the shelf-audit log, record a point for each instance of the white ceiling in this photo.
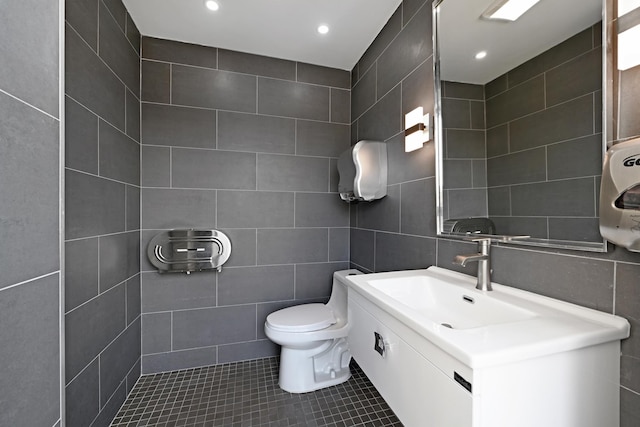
(462, 34)
(283, 29)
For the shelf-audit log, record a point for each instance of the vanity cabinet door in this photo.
(418, 392)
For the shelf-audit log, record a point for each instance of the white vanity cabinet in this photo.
(427, 387)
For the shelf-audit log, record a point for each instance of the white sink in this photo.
(485, 328)
(449, 304)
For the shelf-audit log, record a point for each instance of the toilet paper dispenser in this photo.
(189, 250)
(620, 195)
(363, 172)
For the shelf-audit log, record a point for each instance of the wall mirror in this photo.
(519, 122)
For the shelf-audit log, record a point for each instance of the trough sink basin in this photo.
(485, 328)
(449, 305)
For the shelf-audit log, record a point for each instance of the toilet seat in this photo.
(302, 318)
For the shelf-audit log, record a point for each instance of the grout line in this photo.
(30, 105)
(33, 279)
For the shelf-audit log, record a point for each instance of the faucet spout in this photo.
(483, 259)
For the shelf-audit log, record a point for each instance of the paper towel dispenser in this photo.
(363, 172)
(620, 195)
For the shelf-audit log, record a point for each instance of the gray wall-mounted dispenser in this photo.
(185, 251)
(620, 195)
(363, 172)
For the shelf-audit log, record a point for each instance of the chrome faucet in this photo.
(484, 263)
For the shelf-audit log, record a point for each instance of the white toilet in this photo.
(315, 353)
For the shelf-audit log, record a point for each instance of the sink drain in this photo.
(446, 325)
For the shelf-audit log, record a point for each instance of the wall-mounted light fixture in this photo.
(508, 10)
(629, 34)
(417, 127)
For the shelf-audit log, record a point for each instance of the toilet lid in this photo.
(302, 318)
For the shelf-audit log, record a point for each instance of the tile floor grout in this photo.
(247, 394)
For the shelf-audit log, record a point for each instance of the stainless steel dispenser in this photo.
(189, 250)
(363, 172)
(620, 195)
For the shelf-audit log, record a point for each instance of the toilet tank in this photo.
(363, 172)
(338, 300)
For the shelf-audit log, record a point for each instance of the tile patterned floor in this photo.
(247, 394)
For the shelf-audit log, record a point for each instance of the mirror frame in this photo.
(439, 149)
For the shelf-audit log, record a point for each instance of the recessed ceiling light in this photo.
(508, 10)
(323, 29)
(481, 55)
(212, 5)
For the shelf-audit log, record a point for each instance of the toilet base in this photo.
(302, 371)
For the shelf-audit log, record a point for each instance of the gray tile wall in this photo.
(30, 211)
(465, 151)
(248, 145)
(540, 115)
(608, 282)
(102, 299)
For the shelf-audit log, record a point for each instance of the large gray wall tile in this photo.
(119, 155)
(156, 84)
(199, 87)
(265, 66)
(118, 258)
(156, 166)
(244, 285)
(291, 99)
(583, 281)
(321, 139)
(416, 252)
(383, 214)
(316, 280)
(406, 52)
(321, 210)
(164, 292)
(405, 166)
(83, 397)
(247, 351)
(156, 333)
(133, 298)
(201, 328)
(178, 126)
(243, 244)
(572, 197)
(363, 94)
(575, 78)
(286, 246)
(29, 172)
(382, 121)
(569, 120)
(292, 173)
(517, 102)
(29, 31)
(417, 204)
(517, 168)
(213, 169)
(91, 327)
(255, 209)
(133, 207)
(93, 205)
(177, 52)
(30, 353)
(562, 161)
(339, 244)
(81, 138)
(117, 359)
(256, 133)
(177, 360)
(309, 73)
(116, 51)
(90, 82)
(363, 248)
(165, 208)
(83, 17)
(81, 272)
(132, 115)
(340, 109)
